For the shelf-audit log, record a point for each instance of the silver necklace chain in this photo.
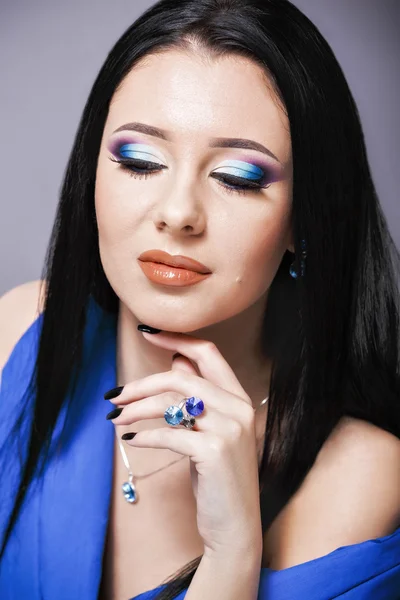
(136, 477)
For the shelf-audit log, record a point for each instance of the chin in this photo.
(182, 314)
(176, 320)
(175, 326)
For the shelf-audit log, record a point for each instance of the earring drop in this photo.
(293, 272)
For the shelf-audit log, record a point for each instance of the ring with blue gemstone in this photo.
(174, 415)
(194, 406)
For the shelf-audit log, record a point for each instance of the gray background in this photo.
(51, 52)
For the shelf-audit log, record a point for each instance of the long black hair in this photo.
(333, 333)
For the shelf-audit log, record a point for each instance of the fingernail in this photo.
(148, 329)
(113, 393)
(128, 436)
(114, 413)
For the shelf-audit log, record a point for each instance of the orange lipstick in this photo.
(165, 269)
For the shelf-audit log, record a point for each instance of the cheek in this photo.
(255, 251)
(115, 238)
(116, 208)
(105, 199)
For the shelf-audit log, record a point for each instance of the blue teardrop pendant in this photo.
(129, 491)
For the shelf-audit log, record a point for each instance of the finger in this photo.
(182, 441)
(212, 365)
(182, 362)
(185, 384)
(210, 420)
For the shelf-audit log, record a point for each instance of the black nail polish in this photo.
(114, 413)
(148, 329)
(128, 436)
(113, 393)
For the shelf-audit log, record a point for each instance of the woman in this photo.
(220, 132)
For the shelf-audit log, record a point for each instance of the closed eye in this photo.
(143, 169)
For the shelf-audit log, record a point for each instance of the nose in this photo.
(180, 213)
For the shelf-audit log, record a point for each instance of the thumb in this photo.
(184, 364)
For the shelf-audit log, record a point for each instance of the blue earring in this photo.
(293, 272)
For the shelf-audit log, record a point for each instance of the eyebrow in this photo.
(215, 142)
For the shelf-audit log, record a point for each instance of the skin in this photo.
(241, 237)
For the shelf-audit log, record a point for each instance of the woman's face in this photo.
(189, 205)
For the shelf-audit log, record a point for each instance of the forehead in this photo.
(197, 97)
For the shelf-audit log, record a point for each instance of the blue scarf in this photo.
(56, 547)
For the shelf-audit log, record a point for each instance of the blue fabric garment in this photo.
(56, 547)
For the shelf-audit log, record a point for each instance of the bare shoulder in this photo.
(350, 495)
(19, 308)
(359, 439)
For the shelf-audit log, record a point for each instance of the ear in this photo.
(290, 246)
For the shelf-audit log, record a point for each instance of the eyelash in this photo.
(131, 166)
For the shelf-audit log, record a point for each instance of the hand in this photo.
(221, 445)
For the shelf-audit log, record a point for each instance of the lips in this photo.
(179, 261)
